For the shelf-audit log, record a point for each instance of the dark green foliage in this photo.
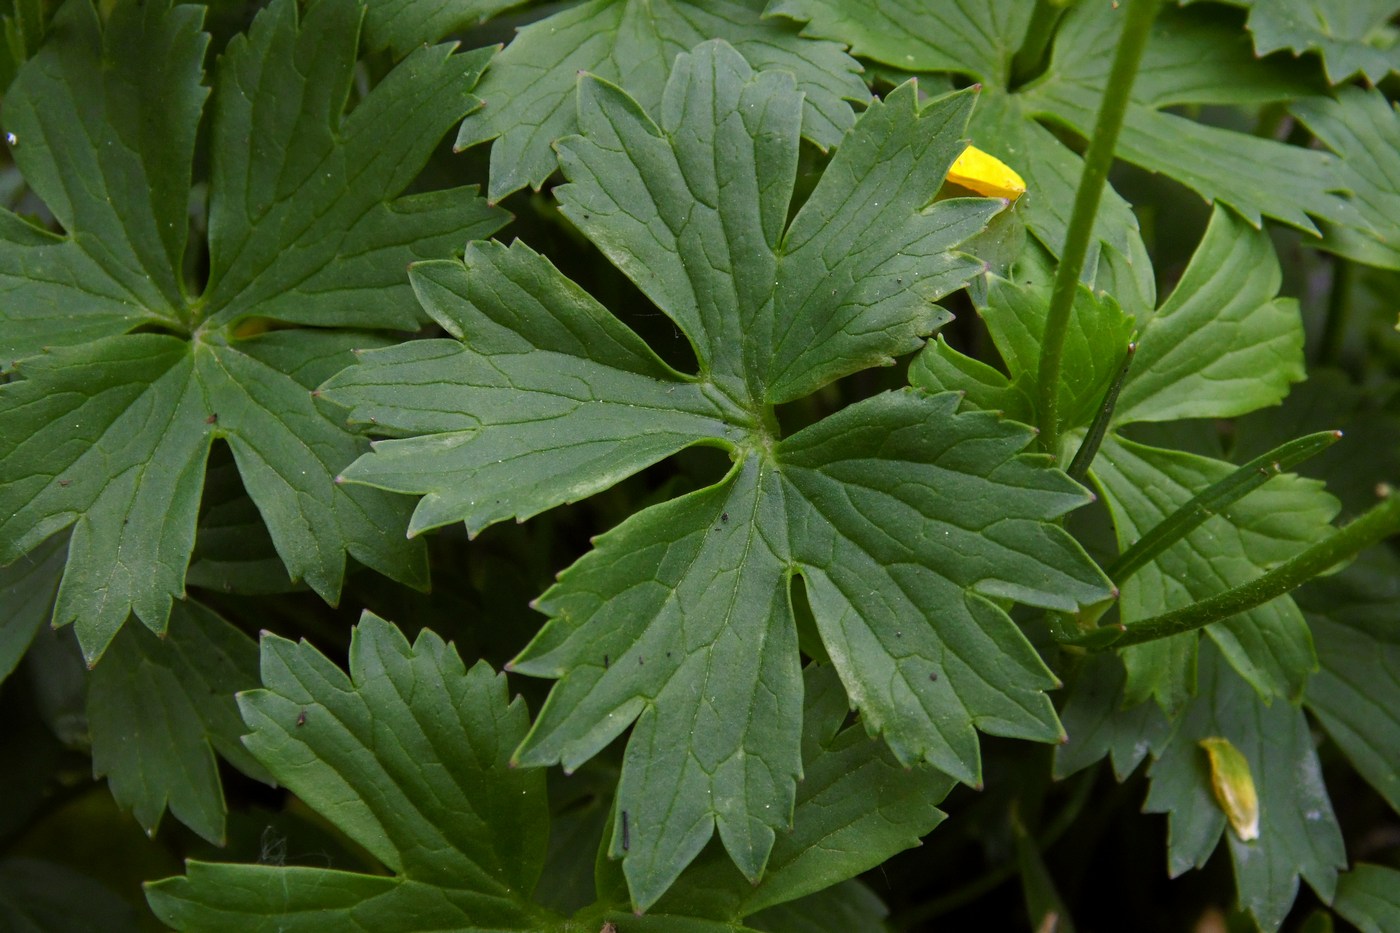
(792, 588)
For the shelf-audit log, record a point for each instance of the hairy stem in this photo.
(1380, 522)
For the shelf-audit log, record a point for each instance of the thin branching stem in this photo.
(1380, 522)
(1216, 497)
(1098, 160)
(1084, 458)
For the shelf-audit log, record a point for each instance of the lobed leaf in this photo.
(109, 431)
(907, 521)
(1298, 834)
(408, 756)
(160, 707)
(529, 89)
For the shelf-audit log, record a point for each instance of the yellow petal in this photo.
(986, 174)
(1233, 786)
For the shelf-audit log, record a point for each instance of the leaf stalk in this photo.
(1216, 497)
(1380, 522)
(1098, 160)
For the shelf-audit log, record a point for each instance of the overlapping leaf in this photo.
(160, 708)
(1363, 129)
(1356, 693)
(1194, 57)
(401, 25)
(906, 519)
(1221, 345)
(108, 430)
(408, 756)
(529, 89)
(1298, 834)
(1367, 896)
(1351, 37)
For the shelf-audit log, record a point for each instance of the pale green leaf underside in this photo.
(1193, 58)
(973, 37)
(1269, 645)
(1363, 129)
(1350, 36)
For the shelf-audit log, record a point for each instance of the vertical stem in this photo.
(1098, 160)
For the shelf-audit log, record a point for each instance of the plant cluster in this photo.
(848, 500)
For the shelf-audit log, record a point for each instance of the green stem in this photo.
(1084, 457)
(1098, 160)
(1216, 497)
(1377, 524)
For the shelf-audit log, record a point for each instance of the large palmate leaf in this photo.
(1298, 834)
(1221, 344)
(410, 756)
(1195, 56)
(529, 88)
(108, 430)
(906, 519)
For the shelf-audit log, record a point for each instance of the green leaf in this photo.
(844, 908)
(1195, 56)
(1098, 723)
(1363, 129)
(1223, 344)
(681, 618)
(108, 431)
(1097, 338)
(233, 552)
(401, 25)
(580, 400)
(160, 707)
(855, 808)
(28, 588)
(971, 38)
(1343, 34)
(1044, 905)
(408, 756)
(1270, 646)
(529, 89)
(1355, 695)
(1298, 834)
(1366, 896)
